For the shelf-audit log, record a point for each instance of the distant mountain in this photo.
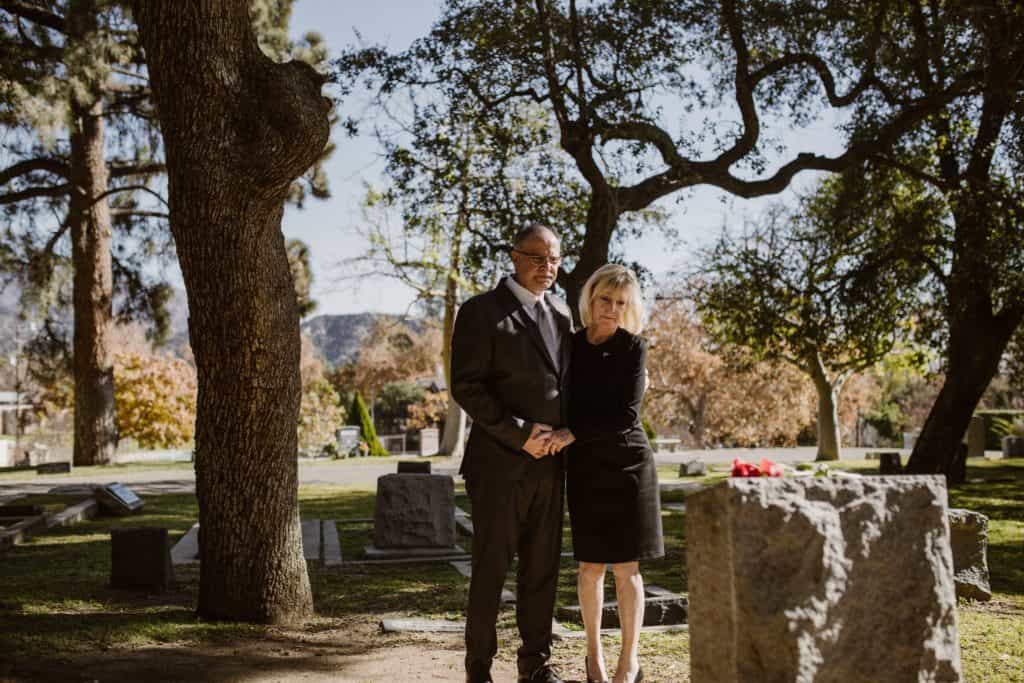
(337, 337)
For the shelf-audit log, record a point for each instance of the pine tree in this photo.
(360, 415)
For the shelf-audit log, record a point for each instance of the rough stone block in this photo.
(140, 558)
(694, 468)
(969, 540)
(822, 579)
(414, 511)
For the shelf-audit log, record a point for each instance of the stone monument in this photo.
(414, 515)
(969, 538)
(822, 579)
(140, 558)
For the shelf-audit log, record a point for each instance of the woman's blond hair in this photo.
(614, 278)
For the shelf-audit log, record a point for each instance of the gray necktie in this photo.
(548, 331)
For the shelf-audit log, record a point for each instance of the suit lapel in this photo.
(524, 321)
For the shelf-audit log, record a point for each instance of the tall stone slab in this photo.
(414, 511)
(822, 579)
(969, 539)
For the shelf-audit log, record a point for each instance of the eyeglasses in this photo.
(540, 261)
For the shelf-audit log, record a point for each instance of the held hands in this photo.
(539, 442)
(559, 439)
(544, 441)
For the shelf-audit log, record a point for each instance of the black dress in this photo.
(614, 506)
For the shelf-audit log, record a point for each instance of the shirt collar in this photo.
(527, 298)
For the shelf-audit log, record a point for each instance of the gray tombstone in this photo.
(889, 462)
(693, 468)
(822, 579)
(414, 511)
(969, 537)
(348, 438)
(54, 468)
(1013, 446)
(118, 499)
(976, 437)
(413, 467)
(140, 559)
(430, 442)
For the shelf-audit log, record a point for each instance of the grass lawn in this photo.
(56, 609)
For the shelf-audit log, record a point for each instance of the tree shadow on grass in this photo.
(263, 653)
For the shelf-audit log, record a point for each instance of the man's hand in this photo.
(537, 445)
(559, 439)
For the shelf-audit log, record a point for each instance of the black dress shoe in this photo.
(586, 670)
(545, 674)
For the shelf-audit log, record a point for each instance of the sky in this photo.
(331, 227)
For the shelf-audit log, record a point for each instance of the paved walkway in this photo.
(364, 471)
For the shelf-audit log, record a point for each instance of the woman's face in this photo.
(608, 308)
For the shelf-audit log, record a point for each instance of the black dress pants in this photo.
(511, 517)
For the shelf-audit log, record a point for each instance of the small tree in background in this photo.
(797, 287)
(358, 414)
(320, 414)
(155, 394)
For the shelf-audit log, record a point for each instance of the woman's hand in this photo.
(559, 439)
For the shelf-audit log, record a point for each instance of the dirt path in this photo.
(341, 650)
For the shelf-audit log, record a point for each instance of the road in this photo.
(362, 473)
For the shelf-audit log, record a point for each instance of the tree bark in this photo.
(453, 438)
(829, 440)
(238, 129)
(95, 430)
(977, 339)
(602, 218)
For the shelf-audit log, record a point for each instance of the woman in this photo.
(614, 506)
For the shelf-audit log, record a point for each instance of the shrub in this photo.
(358, 414)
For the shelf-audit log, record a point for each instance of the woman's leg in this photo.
(590, 589)
(629, 589)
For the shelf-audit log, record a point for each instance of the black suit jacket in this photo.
(505, 379)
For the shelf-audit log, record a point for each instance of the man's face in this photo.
(536, 261)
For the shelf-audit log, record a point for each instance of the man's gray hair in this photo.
(533, 230)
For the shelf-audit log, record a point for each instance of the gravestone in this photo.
(889, 462)
(430, 442)
(118, 499)
(54, 468)
(976, 437)
(413, 467)
(969, 539)
(694, 468)
(16, 511)
(140, 559)
(1013, 446)
(348, 439)
(660, 608)
(822, 579)
(414, 511)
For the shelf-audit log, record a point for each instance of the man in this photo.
(509, 371)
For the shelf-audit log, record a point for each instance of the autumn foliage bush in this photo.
(156, 399)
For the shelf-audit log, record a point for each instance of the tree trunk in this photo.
(978, 336)
(238, 129)
(602, 217)
(89, 217)
(828, 411)
(977, 340)
(453, 440)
